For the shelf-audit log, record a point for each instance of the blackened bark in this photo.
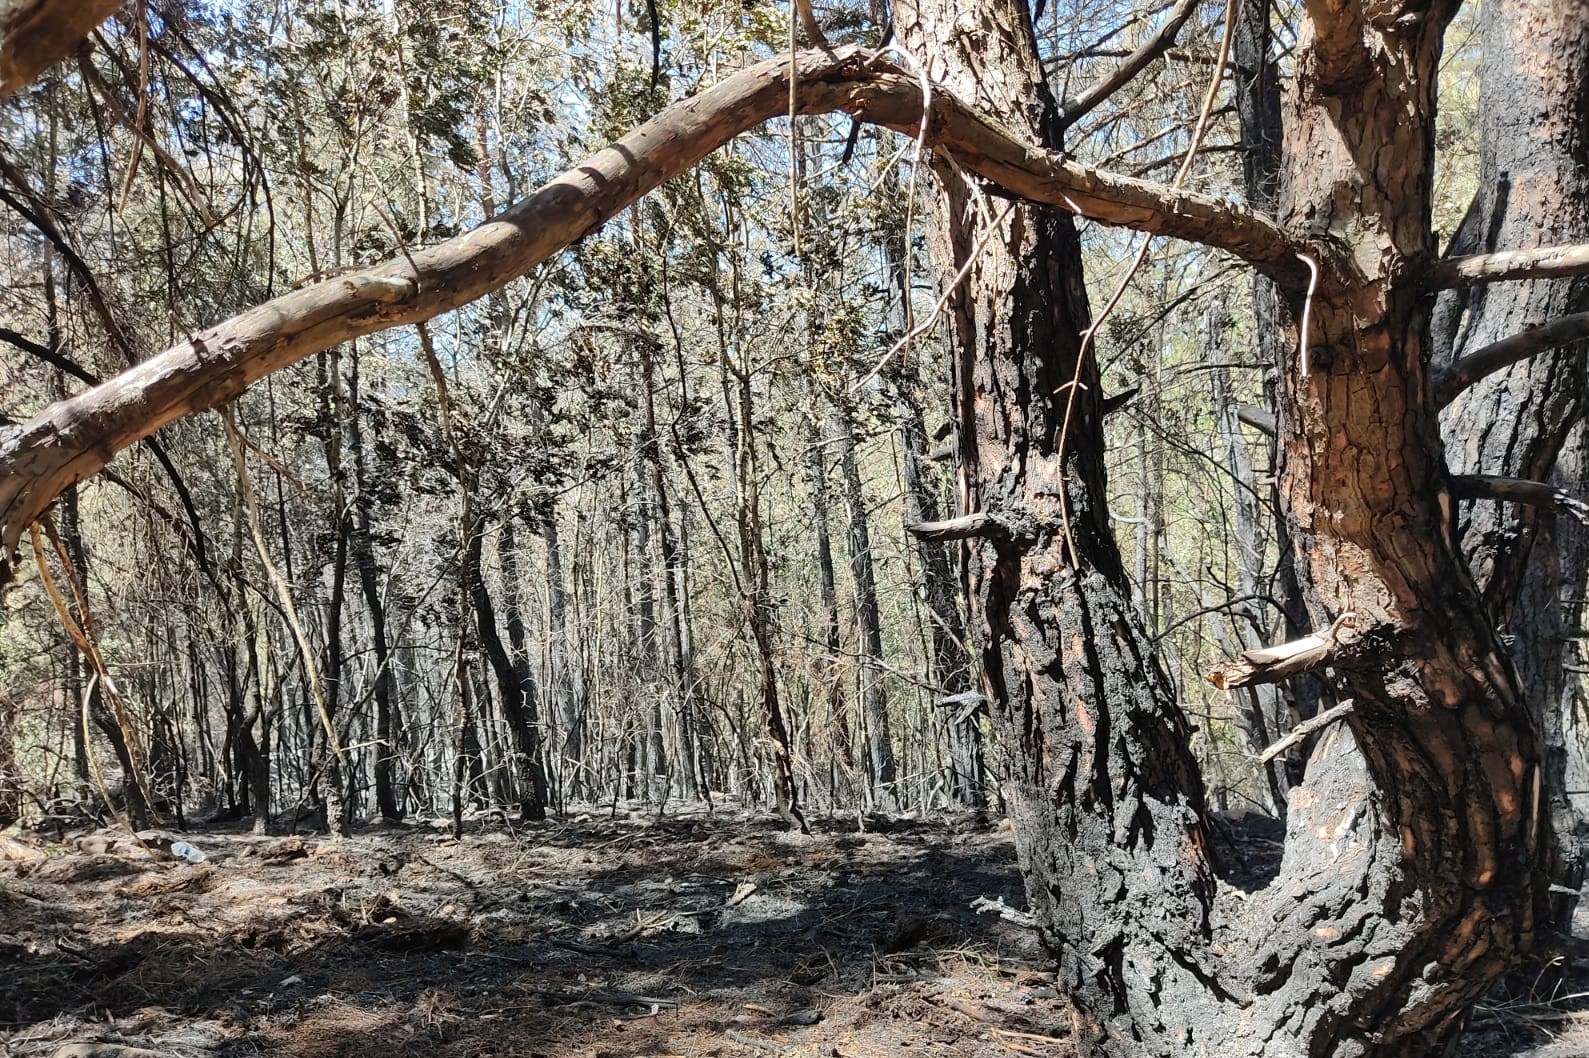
(388, 715)
(1526, 421)
(1105, 792)
(1412, 875)
(332, 785)
(1263, 709)
(950, 660)
(515, 689)
(10, 775)
(567, 685)
(880, 767)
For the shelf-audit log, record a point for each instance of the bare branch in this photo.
(1547, 262)
(1273, 664)
(1260, 419)
(1506, 352)
(1306, 728)
(1518, 490)
(988, 524)
(808, 22)
(74, 438)
(35, 33)
(1132, 65)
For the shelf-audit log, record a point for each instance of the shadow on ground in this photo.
(592, 937)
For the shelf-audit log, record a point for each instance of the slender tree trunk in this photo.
(880, 766)
(568, 687)
(334, 792)
(829, 675)
(1258, 110)
(388, 714)
(650, 751)
(1263, 710)
(515, 689)
(674, 594)
(950, 662)
(756, 595)
(140, 813)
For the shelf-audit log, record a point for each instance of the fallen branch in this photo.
(997, 906)
(1306, 728)
(1276, 663)
(756, 1043)
(1450, 383)
(1260, 419)
(614, 999)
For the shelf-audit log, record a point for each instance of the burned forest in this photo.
(590, 530)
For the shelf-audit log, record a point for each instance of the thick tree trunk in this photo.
(36, 33)
(1525, 421)
(1412, 875)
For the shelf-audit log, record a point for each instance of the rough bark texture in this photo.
(1105, 793)
(1412, 875)
(1524, 421)
(36, 33)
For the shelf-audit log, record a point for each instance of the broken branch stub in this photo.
(1276, 663)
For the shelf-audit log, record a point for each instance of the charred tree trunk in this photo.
(753, 574)
(1258, 109)
(675, 597)
(1526, 421)
(880, 767)
(829, 672)
(388, 715)
(333, 782)
(950, 660)
(567, 685)
(515, 688)
(1413, 872)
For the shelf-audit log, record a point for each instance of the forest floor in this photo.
(591, 937)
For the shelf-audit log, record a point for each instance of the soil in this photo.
(594, 937)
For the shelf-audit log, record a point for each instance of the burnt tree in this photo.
(1419, 845)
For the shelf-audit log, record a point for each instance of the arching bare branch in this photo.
(74, 438)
